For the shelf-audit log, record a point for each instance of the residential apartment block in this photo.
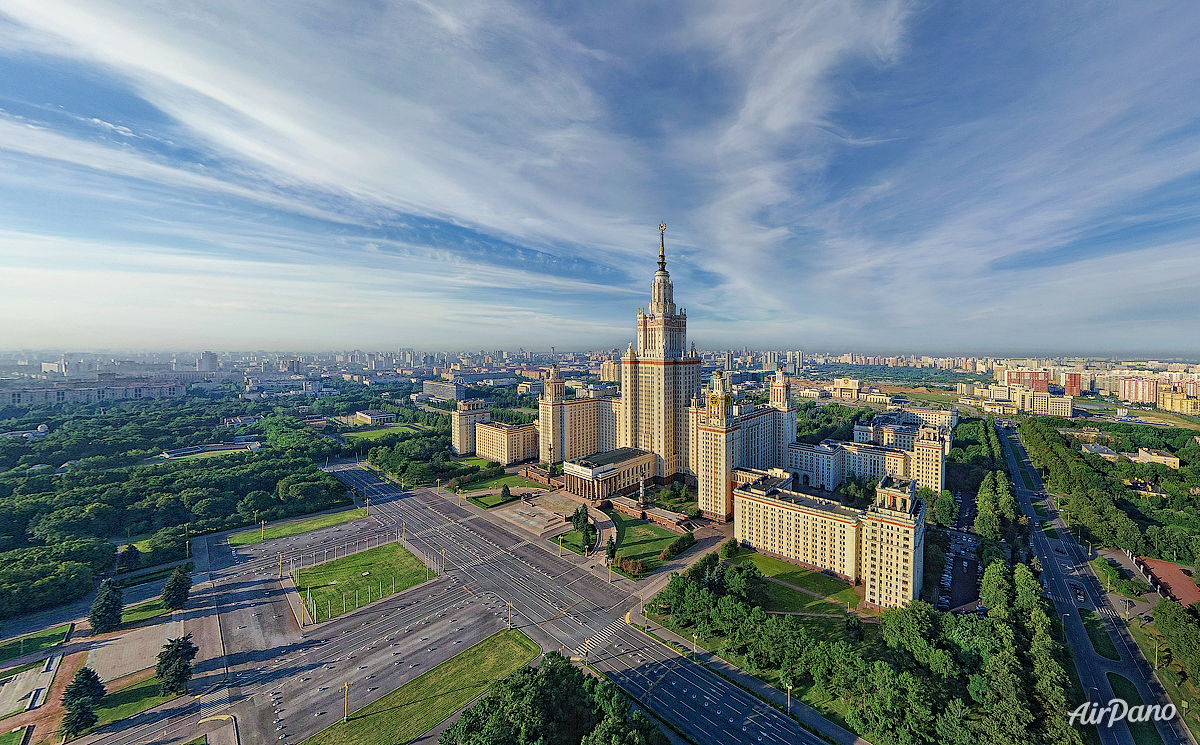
(506, 443)
(462, 424)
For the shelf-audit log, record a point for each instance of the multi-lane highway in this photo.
(286, 683)
(1064, 563)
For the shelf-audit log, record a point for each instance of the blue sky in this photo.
(878, 176)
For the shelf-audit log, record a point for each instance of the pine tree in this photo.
(77, 719)
(610, 550)
(505, 494)
(175, 592)
(86, 686)
(174, 667)
(105, 614)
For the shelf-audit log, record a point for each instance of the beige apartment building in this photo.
(1175, 398)
(571, 428)
(506, 443)
(882, 546)
(610, 371)
(462, 424)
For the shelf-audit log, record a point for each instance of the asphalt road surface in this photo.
(1064, 563)
(272, 670)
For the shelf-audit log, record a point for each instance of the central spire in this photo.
(662, 247)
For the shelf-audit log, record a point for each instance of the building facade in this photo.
(462, 424)
(506, 443)
(608, 474)
(90, 394)
(571, 428)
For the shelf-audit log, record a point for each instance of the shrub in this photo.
(677, 546)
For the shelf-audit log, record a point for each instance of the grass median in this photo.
(341, 585)
(281, 530)
(420, 704)
(1144, 733)
(1101, 641)
(33, 642)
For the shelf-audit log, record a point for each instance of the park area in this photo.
(495, 482)
(33, 642)
(809, 579)
(639, 539)
(420, 704)
(365, 434)
(283, 529)
(341, 585)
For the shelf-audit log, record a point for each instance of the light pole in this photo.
(346, 703)
(368, 506)
(694, 637)
(263, 534)
(789, 706)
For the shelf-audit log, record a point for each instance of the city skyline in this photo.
(833, 177)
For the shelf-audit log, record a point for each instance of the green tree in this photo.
(175, 592)
(105, 614)
(729, 548)
(77, 720)
(174, 667)
(610, 550)
(996, 590)
(505, 494)
(86, 686)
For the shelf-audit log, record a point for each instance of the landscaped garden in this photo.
(641, 539)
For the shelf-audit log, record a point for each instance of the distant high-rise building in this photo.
(207, 362)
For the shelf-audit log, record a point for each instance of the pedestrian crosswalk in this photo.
(600, 638)
(211, 702)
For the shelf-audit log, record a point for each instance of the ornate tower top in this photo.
(662, 247)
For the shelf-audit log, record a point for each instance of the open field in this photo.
(374, 433)
(280, 530)
(639, 539)
(1144, 733)
(1101, 642)
(143, 611)
(130, 700)
(473, 460)
(488, 501)
(417, 706)
(809, 579)
(1170, 673)
(33, 642)
(782, 598)
(333, 584)
(496, 482)
(199, 456)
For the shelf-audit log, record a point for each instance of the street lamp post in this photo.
(346, 703)
(262, 536)
(694, 637)
(789, 705)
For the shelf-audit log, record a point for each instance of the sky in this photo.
(955, 178)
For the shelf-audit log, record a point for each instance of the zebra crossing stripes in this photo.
(598, 639)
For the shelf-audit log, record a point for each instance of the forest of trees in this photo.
(829, 422)
(977, 450)
(928, 677)
(554, 703)
(1108, 511)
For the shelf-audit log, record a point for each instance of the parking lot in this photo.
(958, 588)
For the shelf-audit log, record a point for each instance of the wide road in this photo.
(1064, 563)
(561, 605)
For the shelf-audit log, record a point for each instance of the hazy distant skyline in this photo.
(870, 176)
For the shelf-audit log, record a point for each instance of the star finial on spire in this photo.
(662, 248)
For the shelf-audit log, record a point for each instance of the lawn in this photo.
(572, 540)
(333, 584)
(1144, 733)
(201, 456)
(33, 642)
(130, 700)
(799, 576)
(496, 482)
(1040, 510)
(367, 435)
(780, 598)
(1170, 673)
(1025, 479)
(1049, 531)
(142, 579)
(639, 539)
(279, 530)
(15, 737)
(488, 501)
(1101, 642)
(473, 460)
(420, 704)
(148, 609)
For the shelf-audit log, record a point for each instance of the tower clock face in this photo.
(714, 400)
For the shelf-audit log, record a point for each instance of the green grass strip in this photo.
(489, 501)
(281, 530)
(33, 642)
(143, 611)
(1144, 733)
(420, 704)
(129, 701)
(1101, 642)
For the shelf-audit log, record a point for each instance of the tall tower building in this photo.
(659, 378)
